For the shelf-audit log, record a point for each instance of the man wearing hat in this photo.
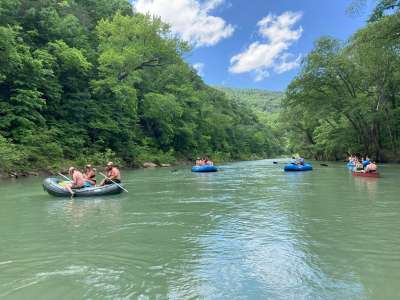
(113, 174)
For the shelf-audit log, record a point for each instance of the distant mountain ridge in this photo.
(267, 101)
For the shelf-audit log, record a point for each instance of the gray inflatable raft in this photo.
(52, 186)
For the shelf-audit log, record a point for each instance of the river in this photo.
(249, 232)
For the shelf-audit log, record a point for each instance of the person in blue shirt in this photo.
(293, 161)
(366, 162)
(301, 161)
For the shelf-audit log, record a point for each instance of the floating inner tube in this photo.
(55, 187)
(204, 169)
(362, 174)
(298, 168)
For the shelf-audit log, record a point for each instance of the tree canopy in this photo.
(85, 81)
(346, 98)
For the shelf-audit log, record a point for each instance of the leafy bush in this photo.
(11, 156)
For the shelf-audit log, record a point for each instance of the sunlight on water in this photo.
(249, 232)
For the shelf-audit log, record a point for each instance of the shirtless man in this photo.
(113, 173)
(371, 167)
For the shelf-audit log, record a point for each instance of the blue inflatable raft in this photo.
(297, 168)
(204, 169)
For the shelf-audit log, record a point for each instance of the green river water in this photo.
(250, 232)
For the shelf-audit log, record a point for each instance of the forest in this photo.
(346, 98)
(87, 81)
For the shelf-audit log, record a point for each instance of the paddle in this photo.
(65, 177)
(282, 163)
(275, 163)
(114, 182)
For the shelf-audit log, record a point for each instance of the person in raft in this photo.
(366, 161)
(198, 162)
(78, 181)
(293, 161)
(208, 162)
(113, 174)
(371, 167)
(301, 161)
(358, 166)
(90, 175)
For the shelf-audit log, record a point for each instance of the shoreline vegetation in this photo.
(93, 81)
(346, 97)
(64, 169)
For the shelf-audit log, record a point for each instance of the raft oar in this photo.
(114, 182)
(324, 165)
(65, 177)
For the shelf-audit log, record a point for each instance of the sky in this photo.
(252, 43)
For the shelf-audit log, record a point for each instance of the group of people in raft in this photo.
(363, 164)
(204, 162)
(298, 162)
(88, 177)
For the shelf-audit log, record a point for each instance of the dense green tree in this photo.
(346, 97)
(87, 81)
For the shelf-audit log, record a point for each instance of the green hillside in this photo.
(91, 81)
(267, 101)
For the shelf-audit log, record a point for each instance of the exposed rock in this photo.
(149, 165)
(165, 165)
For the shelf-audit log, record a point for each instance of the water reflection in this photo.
(367, 186)
(262, 249)
(76, 212)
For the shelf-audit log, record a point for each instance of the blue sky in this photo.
(253, 43)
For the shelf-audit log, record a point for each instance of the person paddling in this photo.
(78, 180)
(113, 174)
(90, 175)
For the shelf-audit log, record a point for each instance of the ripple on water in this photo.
(250, 232)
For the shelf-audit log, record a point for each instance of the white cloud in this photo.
(261, 75)
(284, 65)
(260, 57)
(212, 4)
(199, 67)
(190, 19)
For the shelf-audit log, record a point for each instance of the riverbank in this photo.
(63, 167)
(64, 170)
